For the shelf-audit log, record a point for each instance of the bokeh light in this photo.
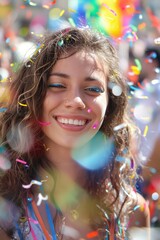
(96, 154)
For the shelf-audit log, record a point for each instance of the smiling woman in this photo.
(72, 170)
(70, 93)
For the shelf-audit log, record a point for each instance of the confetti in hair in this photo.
(22, 104)
(31, 183)
(60, 42)
(21, 161)
(120, 126)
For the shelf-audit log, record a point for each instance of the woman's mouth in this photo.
(72, 123)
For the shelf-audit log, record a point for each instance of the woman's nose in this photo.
(74, 102)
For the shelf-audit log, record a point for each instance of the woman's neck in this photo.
(62, 161)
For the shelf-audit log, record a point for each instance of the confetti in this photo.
(138, 63)
(120, 126)
(145, 131)
(7, 40)
(61, 13)
(133, 87)
(92, 234)
(53, 2)
(22, 104)
(72, 22)
(142, 97)
(95, 126)
(120, 158)
(135, 70)
(29, 199)
(140, 86)
(32, 220)
(21, 161)
(157, 70)
(136, 207)
(40, 198)
(23, 219)
(22, 6)
(60, 42)
(45, 6)
(31, 183)
(141, 25)
(31, 3)
(154, 19)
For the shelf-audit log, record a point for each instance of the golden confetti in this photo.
(145, 131)
(22, 104)
(61, 13)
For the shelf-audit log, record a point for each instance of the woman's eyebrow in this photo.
(92, 79)
(64, 75)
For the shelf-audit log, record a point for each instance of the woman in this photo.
(67, 137)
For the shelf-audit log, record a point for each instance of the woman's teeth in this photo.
(71, 121)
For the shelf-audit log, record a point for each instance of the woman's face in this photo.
(76, 100)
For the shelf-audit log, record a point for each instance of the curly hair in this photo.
(21, 134)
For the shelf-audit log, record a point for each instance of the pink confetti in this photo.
(95, 125)
(21, 161)
(32, 220)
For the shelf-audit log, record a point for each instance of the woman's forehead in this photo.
(83, 59)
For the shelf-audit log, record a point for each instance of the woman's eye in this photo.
(94, 89)
(56, 85)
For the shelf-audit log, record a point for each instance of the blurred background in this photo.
(133, 26)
